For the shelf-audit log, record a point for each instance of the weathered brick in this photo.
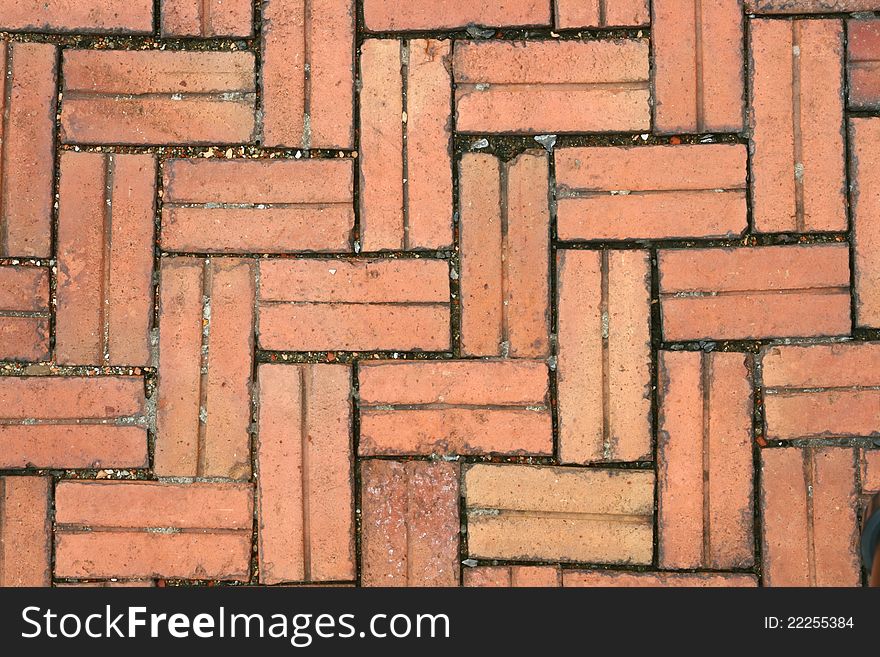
(410, 523)
(870, 471)
(551, 86)
(405, 145)
(27, 156)
(601, 13)
(808, 6)
(305, 495)
(89, 422)
(102, 16)
(206, 347)
(651, 192)
(864, 176)
(108, 584)
(24, 313)
(390, 15)
(609, 578)
(105, 259)
(454, 407)
(796, 120)
(603, 367)
(821, 391)
(704, 460)
(863, 63)
(308, 73)
(25, 531)
(808, 517)
(206, 18)
(157, 97)
(748, 293)
(559, 514)
(317, 305)
(257, 206)
(698, 66)
(512, 576)
(213, 524)
(504, 242)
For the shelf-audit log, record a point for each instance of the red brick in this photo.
(411, 211)
(603, 369)
(698, 66)
(559, 514)
(704, 454)
(308, 73)
(91, 422)
(863, 64)
(210, 530)
(796, 119)
(651, 192)
(821, 391)
(105, 259)
(454, 407)
(601, 13)
(551, 86)
(870, 471)
(27, 127)
(24, 313)
(206, 346)
(390, 15)
(109, 584)
(504, 241)
(25, 531)
(808, 517)
(808, 6)
(410, 523)
(305, 496)
(749, 293)
(864, 176)
(610, 578)
(257, 206)
(119, 16)
(206, 18)
(157, 97)
(512, 576)
(364, 305)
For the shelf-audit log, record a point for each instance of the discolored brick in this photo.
(24, 313)
(807, 6)
(603, 378)
(93, 16)
(512, 576)
(389, 15)
(610, 578)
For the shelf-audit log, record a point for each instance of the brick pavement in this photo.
(569, 293)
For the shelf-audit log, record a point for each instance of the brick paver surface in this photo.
(380, 293)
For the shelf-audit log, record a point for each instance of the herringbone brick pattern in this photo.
(523, 293)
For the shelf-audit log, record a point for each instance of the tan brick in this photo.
(609, 578)
(604, 356)
(257, 206)
(796, 120)
(454, 407)
(808, 517)
(206, 347)
(24, 313)
(504, 241)
(760, 292)
(551, 86)
(512, 576)
(704, 454)
(698, 66)
(601, 13)
(105, 259)
(410, 524)
(305, 494)
(308, 73)
(101, 16)
(390, 15)
(213, 524)
(91, 422)
(157, 97)
(821, 391)
(651, 192)
(25, 531)
(316, 305)
(206, 18)
(411, 211)
(864, 175)
(559, 514)
(27, 128)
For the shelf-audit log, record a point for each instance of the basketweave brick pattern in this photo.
(376, 293)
